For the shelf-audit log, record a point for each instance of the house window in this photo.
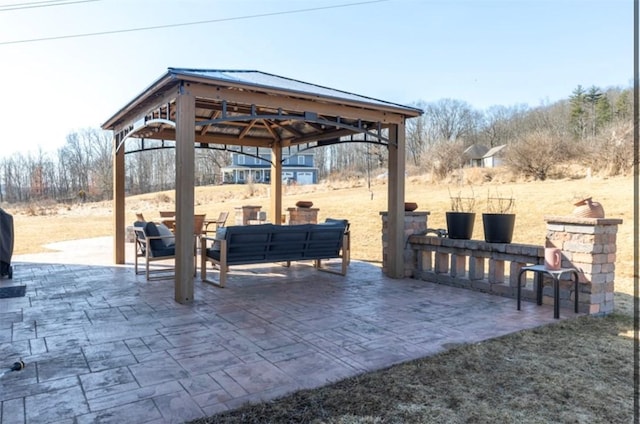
(240, 159)
(300, 160)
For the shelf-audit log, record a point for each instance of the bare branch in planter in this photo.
(460, 203)
(500, 204)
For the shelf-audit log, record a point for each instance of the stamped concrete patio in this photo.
(104, 345)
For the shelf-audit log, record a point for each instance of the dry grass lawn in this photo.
(579, 371)
(354, 200)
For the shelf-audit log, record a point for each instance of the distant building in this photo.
(494, 157)
(474, 154)
(298, 168)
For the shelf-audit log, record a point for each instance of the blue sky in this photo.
(405, 51)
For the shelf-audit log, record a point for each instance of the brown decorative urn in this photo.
(587, 208)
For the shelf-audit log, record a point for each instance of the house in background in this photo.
(474, 154)
(494, 157)
(297, 167)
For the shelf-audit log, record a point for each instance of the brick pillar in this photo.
(414, 223)
(588, 244)
(302, 216)
(244, 214)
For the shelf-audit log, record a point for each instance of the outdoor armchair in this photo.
(154, 242)
(218, 223)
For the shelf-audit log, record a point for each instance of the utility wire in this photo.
(236, 18)
(38, 4)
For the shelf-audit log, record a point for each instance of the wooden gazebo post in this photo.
(276, 183)
(395, 200)
(118, 203)
(185, 182)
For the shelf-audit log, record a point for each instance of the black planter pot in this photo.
(460, 225)
(498, 227)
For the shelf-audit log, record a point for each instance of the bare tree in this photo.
(501, 124)
(416, 136)
(450, 119)
(101, 159)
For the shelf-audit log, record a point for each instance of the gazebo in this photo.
(243, 110)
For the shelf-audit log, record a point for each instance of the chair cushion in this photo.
(221, 233)
(169, 240)
(139, 237)
(156, 245)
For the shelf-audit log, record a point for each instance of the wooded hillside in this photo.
(592, 128)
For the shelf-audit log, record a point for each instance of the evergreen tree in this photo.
(578, 114)
(623, 106)
(604, 113)
(592, 98)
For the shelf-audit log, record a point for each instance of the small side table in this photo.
(555, 274)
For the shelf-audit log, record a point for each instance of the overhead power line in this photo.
(210, 21)
(38, 4)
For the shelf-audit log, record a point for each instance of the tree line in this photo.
(592, 127)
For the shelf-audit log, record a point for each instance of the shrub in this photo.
(535, 154)
(446, 156)
(612, 152)
(163, 198)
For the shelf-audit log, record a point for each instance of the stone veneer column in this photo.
(414, 223)
(588, 244)
(244, 214)
(302, 216)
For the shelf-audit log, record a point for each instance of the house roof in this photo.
(494, 150)
(475, 151)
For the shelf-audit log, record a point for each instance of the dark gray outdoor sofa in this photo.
(266, 243)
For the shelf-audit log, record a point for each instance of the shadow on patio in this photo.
(103, 345)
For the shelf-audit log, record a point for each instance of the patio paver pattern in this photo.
(104, 345)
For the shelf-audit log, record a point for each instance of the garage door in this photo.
(305, 178)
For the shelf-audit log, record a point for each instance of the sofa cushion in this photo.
(288, 242)
(245, 243)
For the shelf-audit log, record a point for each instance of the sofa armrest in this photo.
(222, 263)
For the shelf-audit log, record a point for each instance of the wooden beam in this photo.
(214, 115)
(395, 202)
(169, 134)
(396, 110)
(247, 128)
(119, 224)
(271, 130)
(185, 164)
(134, 116)
(295, 104)
(285, 126)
